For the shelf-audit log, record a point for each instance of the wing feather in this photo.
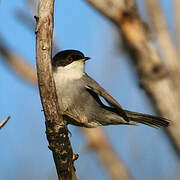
(92, 85)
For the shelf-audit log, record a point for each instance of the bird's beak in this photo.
(87, 58)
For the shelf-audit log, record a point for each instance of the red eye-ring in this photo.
(69, 59)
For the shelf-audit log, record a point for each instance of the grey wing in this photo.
(93, 86)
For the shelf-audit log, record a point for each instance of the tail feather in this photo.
(150, 120)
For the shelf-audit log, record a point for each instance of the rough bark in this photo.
(56, 130)
(155, 77)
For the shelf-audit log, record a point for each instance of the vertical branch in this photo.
(56, 130)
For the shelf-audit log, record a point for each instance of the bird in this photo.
(79, 97)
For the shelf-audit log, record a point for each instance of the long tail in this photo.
(153, 121)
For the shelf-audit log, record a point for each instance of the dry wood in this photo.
(56, 130)
(3, 122)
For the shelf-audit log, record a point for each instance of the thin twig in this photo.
(56, 130)
(3, 122)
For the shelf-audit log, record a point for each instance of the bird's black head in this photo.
(66, 57)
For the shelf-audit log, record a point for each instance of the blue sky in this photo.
(24, 152)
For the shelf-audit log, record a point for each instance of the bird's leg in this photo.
(68, 115)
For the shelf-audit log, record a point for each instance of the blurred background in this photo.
(146, 152)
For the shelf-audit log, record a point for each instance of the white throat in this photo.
(73, 71)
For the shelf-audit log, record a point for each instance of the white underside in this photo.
(73, 71)
(65, 86)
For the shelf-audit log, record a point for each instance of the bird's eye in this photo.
(69, 59)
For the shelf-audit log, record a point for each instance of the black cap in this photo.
(66, 57)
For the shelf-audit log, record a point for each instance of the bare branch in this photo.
(160, 85)
(176, 4)
(97, 141)
(112, 9)
(3, 122)
(159, 23)
(56, 130)
(21, 67)
(113, 6)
